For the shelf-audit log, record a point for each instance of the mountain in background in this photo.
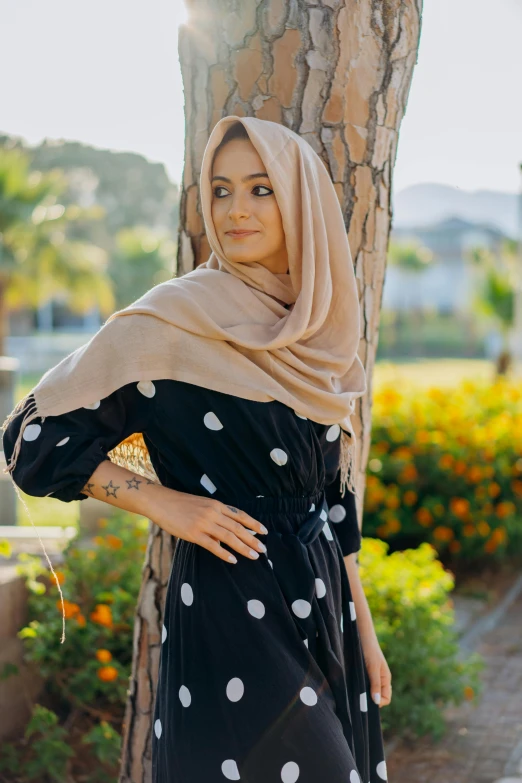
(428, 203)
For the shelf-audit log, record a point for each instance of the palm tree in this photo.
(495, 294)
(38, 260)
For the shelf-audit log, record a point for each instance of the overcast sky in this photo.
(106, 72)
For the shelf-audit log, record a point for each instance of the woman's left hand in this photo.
(378, 672)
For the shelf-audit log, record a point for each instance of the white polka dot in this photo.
(157, 728)
(323, 515)
(382, 771)
(354, 777)
(320, 588)
(163, 634)
(306, 642)
(308, 696)
(337, 513)
(187, 596)
(207, 483)
(271, 564)
(235, 689)
(256, 608)
(342, 623)
(301, 607)
(147, 388)
(230, 770)
(211, 421)
(333, 432)
(279, 456)
(352, 610)
(31, 432)
(290, 772)
(64, 441)
(364, 702)
(327, 531)
(93, 405)
(184, 696)
(299, 415)
(312, 508)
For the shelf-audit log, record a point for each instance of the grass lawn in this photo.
(423, 373)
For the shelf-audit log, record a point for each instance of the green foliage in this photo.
(408, 595)
(87, 677)
(445, 467)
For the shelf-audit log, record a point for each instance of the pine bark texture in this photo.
(338, 73)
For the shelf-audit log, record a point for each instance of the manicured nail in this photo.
(262, 547)
(264, 529)
(232, 559)
(253, 553)
(377, 698)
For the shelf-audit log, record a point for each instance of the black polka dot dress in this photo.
(262, 677)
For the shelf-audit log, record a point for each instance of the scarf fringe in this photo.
(347, 464)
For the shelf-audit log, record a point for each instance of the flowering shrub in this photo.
(445, 467)
(413, 616)
(86, 678)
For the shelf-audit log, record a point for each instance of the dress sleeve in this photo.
(60, 453)
(343, 514)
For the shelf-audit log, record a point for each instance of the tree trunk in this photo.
(339, 75)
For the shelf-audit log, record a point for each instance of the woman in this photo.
(242, 376)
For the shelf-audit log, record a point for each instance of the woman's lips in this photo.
(240, 234)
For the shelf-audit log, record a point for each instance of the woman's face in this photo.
(242, 199)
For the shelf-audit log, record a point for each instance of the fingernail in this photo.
(377, 698)
(232, 559)
(264, 529)
(253, 553)
(262, 547)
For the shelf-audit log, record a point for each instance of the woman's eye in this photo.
(263, 187)
(257, 187)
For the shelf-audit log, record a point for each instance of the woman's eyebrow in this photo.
(245, 179)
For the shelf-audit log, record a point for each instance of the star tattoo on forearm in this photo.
(110, 489)
(133, 483)
(87, 489)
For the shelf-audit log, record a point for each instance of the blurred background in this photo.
(91, 160)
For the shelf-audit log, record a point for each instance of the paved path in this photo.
(483, 743)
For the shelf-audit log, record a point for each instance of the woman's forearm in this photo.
(362, 610)
(123, 488)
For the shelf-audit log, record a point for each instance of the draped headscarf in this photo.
(226, 325)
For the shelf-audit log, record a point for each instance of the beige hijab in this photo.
(224, 325)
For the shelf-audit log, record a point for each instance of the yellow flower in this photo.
(102, 522)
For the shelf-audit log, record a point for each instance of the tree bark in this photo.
(338, 73)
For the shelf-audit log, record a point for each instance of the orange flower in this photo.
(114, 542)
(493, 489)
(443, 533)
(392, 501)
(409, 497)
(102, 522)
(382, 531)
(446, 461)
(424, 517)
(394, 525)
(459, 506)
(505, 509)
(102, 615)
(468, 530)
(142, 547)
(104, 656)
(483, 528)
(60, 576)
(460, 467)
(408, 474)
(455, 546)
(70, 609)
(80, 619)
(107, 673)
(516, 486)
(474, 474)
(491, 545)
(468, 692)
(98, 540)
